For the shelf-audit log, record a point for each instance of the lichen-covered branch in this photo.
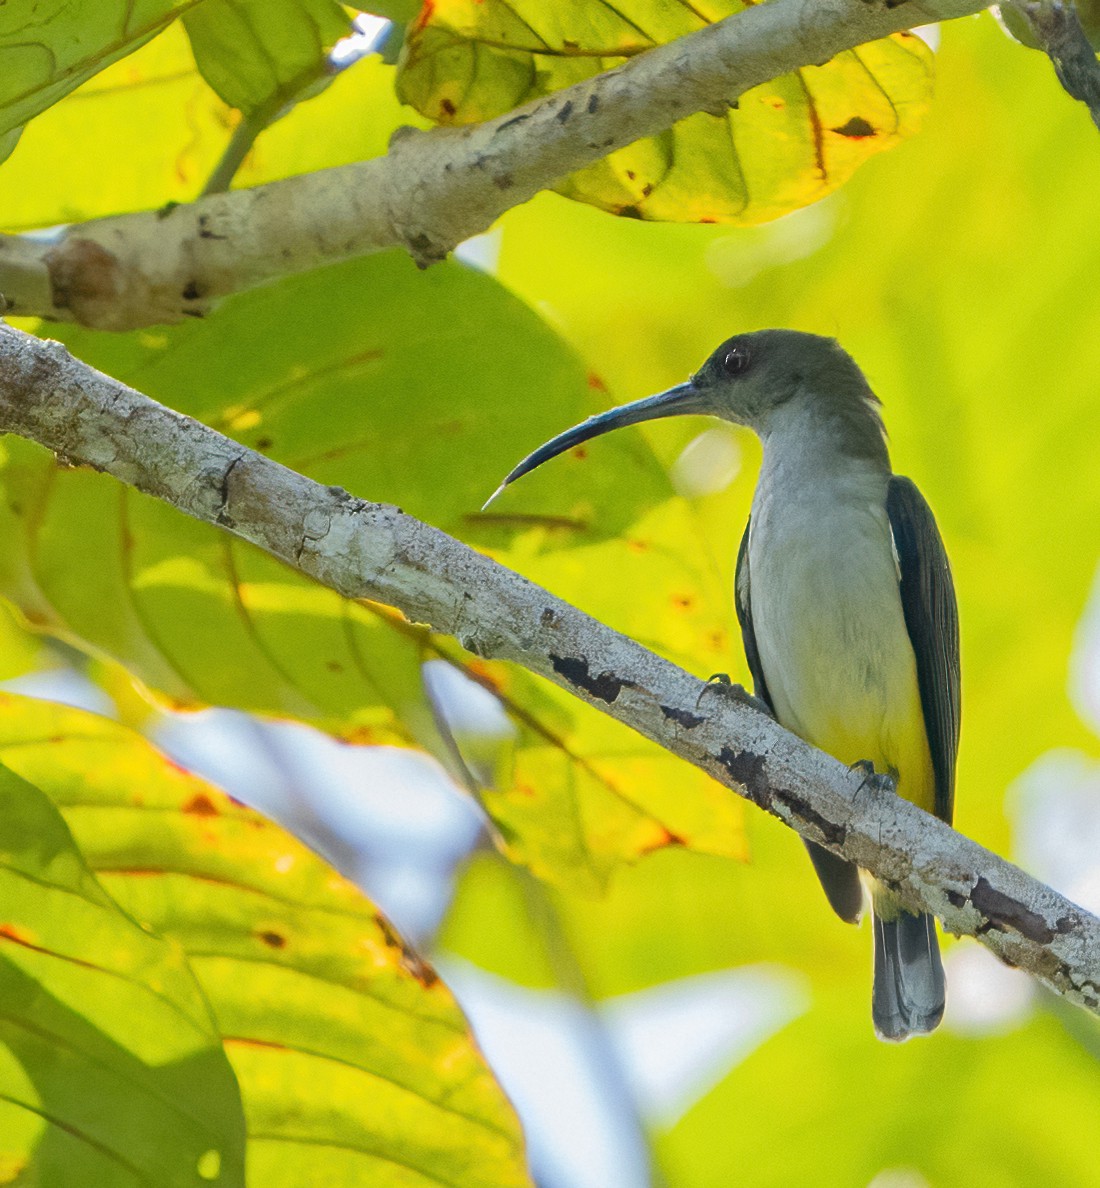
(433, 189)
(371, 550)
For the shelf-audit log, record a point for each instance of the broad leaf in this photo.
(421, 390)
(264, 54)
(111, 1069)
(788, 143)
(51, 47)
(184, 129)
(355, 1064)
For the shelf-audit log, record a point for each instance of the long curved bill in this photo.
(684, 398)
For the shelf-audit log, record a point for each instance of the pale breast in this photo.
(831, 631)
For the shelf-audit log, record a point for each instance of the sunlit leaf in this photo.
(50, 47)
(583, 794)
(8, 141)
(788, 143)
(354, 1062)
(20, 650)
(184, 129)
(111, 1069)
(264, 53)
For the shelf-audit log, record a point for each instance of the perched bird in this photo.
(846, 606)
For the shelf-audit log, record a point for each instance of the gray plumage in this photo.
(846, 606)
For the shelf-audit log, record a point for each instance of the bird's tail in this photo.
(908, 994)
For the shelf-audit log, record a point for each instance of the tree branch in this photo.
(1057, 27)
(372, 550)
(433, 189)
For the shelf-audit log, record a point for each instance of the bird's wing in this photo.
(932, 619)
(743, 598)
(839, 878)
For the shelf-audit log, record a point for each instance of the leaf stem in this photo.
(278, 104)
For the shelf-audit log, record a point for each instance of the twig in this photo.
(252, 123)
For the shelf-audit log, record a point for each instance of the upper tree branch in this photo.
(433, 189)
(371, 550)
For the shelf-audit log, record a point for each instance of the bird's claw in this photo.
(720, 683)
(883, 781)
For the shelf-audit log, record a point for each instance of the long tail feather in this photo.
(908, 994)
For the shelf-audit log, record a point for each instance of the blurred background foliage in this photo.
(705, 1021)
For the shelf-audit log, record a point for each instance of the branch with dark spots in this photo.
(222, 516)
(1004, 913)
(681, 717)
(372, 551)
(514, 121)
(604, 687)
(748, 770)
(204, 229)
(832, 834)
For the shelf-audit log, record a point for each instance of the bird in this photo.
(846, 604)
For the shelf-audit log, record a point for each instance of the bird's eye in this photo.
(737, 360)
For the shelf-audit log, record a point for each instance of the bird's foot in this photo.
(883, 781)
(720, 683)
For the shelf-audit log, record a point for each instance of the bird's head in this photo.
(750, 376)
(746, 380)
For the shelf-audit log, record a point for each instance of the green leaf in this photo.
(585, 794)
(111, 1069)
(262, 54)
(355, 1064)
(184, 128)
(52, 46)
(789, 142)
(8, 141)
(20, 649)
(398, 11)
